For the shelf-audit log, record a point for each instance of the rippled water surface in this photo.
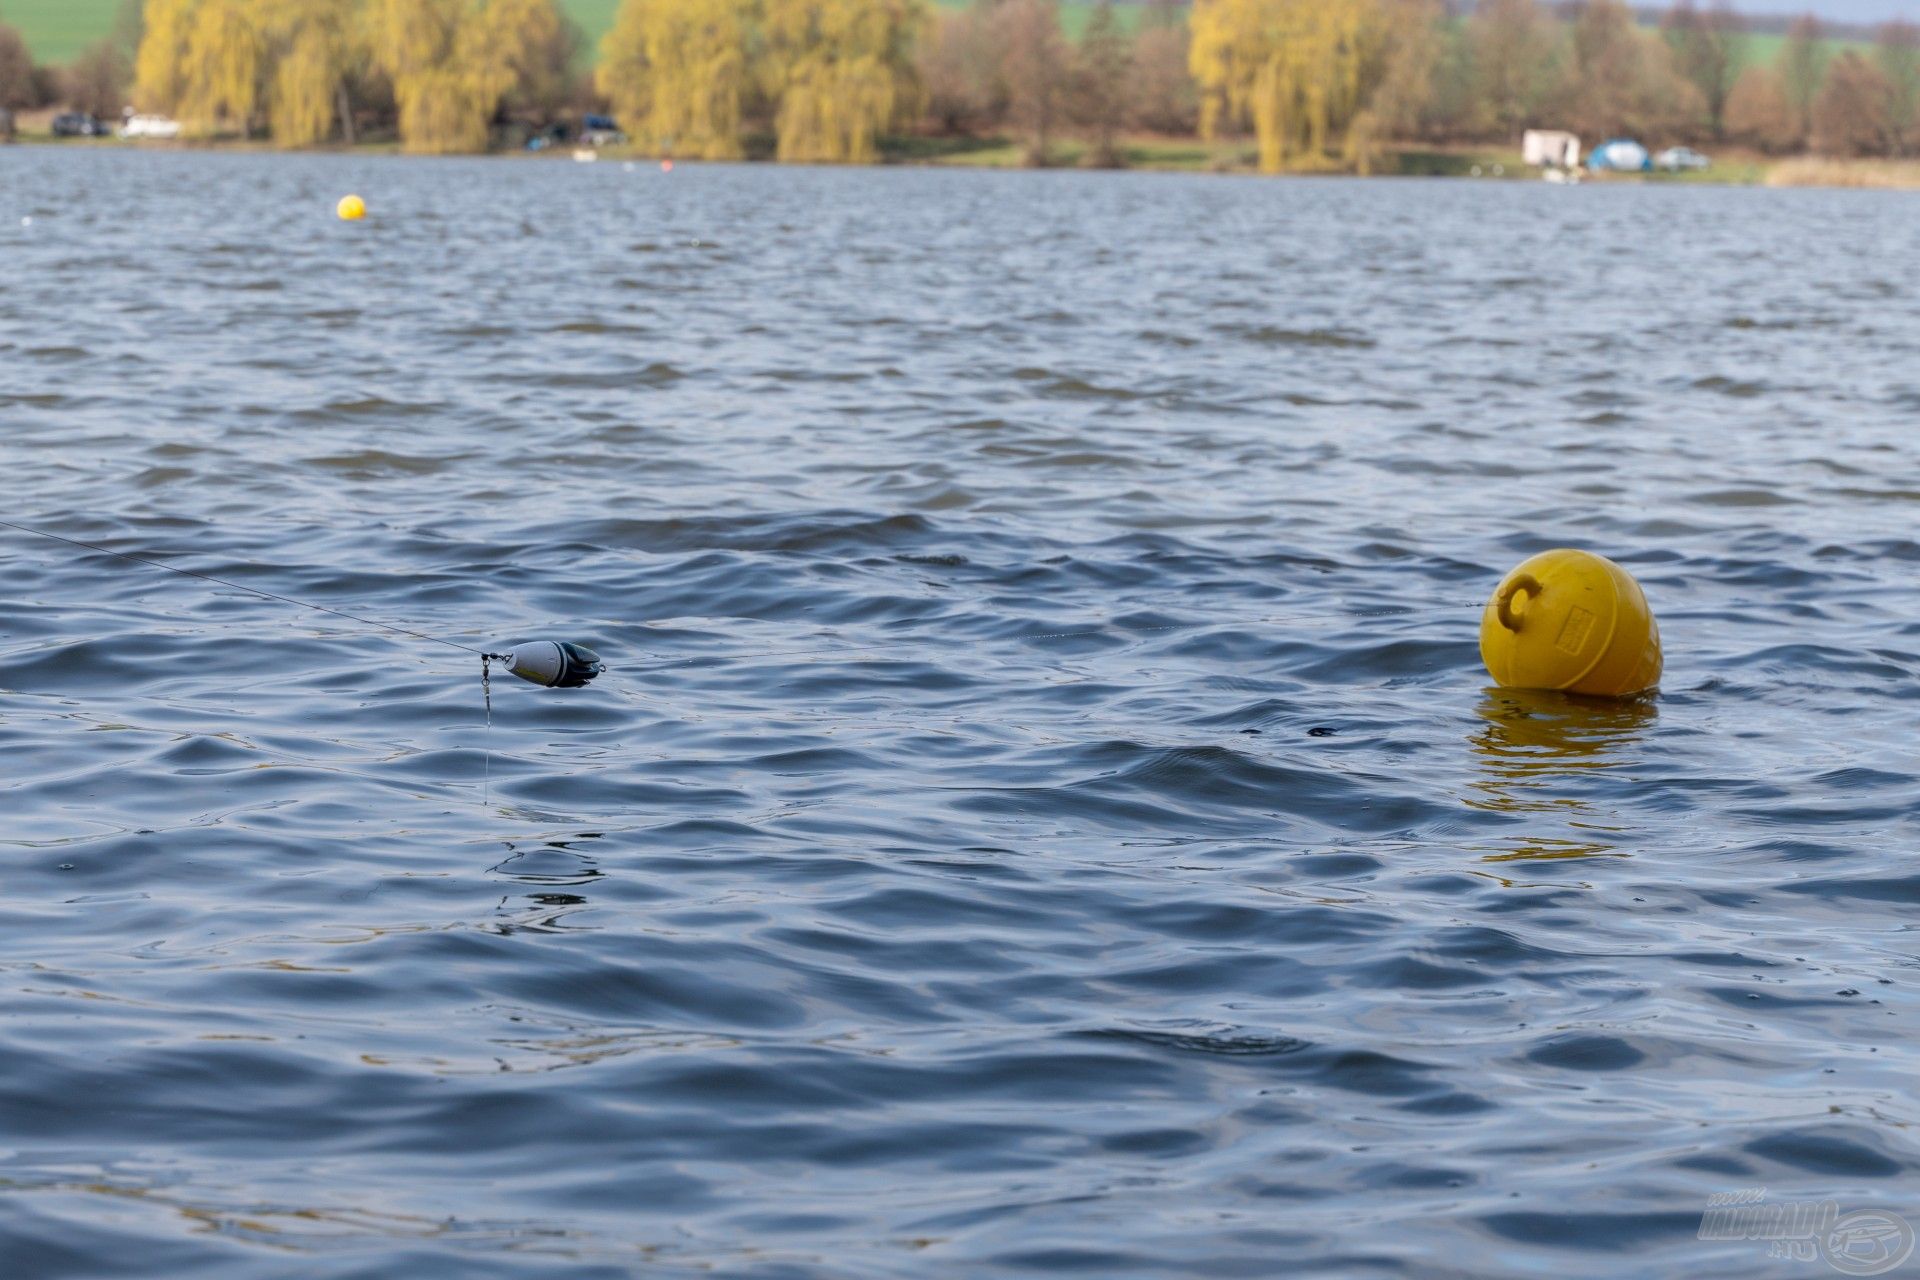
(1046, 813)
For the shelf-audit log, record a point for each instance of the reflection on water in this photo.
(1536, 750)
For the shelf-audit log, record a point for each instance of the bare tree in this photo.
(1619, 82)
(1850, 116)
(97, 81)
(1758, 114)
(1103, 65)
(1803, 65)
(1164, 97)
(1033, 58)
(1515, 62)
(1407, 70)
(19, 87)
(1706, 50)
(959, 67)
(1897, 50)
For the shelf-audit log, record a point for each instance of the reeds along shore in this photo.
(1312, 85)
(1814, 171)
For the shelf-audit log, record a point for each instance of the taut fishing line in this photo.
(562, 664)
(265, 595)
(553, 664)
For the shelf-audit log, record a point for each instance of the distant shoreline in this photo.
(1177, 155)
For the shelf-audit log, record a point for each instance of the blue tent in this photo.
(1623, 154)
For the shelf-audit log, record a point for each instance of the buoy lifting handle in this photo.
(1503, 603)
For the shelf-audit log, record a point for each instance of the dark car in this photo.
(77, 124)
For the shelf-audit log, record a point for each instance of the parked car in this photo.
(600, 131)
(1681, 160)
(78, 124)
(1623, 155)
(149, 127)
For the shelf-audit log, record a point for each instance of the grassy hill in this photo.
(56, 30)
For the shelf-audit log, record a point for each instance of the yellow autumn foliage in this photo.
(1292, 69)
(160, 64)
(203, 61)
(312, 47)
(677, 73)
(451, 62)
(840, 70)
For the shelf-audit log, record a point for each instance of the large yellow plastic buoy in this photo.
(351, 208)
(1573, 621)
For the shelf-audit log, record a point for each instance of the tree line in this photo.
(1313, 83)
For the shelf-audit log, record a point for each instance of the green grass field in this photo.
(56, 30)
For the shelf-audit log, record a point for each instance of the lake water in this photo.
(1045, 813)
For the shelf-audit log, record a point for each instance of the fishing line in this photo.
(828, 652)
(550, 663)
(564, 669)
(265, 595)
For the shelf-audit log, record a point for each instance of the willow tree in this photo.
(678, 72)
(840, 70)
(224, 67)
(160, 63)
(411, 41)
(451, 62)
(518, 47)
(1293, 69)
(314, 50)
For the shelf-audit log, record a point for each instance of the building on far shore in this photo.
(1550, 149)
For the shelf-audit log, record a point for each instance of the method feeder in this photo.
(551, 664)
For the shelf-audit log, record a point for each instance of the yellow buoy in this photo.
(351, 208)
(1573, 621)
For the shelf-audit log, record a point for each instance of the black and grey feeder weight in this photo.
(553, 664)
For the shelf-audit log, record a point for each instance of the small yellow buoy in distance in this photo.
(1573, 621)
(351, 208)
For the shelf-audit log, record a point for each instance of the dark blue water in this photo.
(1046, 814)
